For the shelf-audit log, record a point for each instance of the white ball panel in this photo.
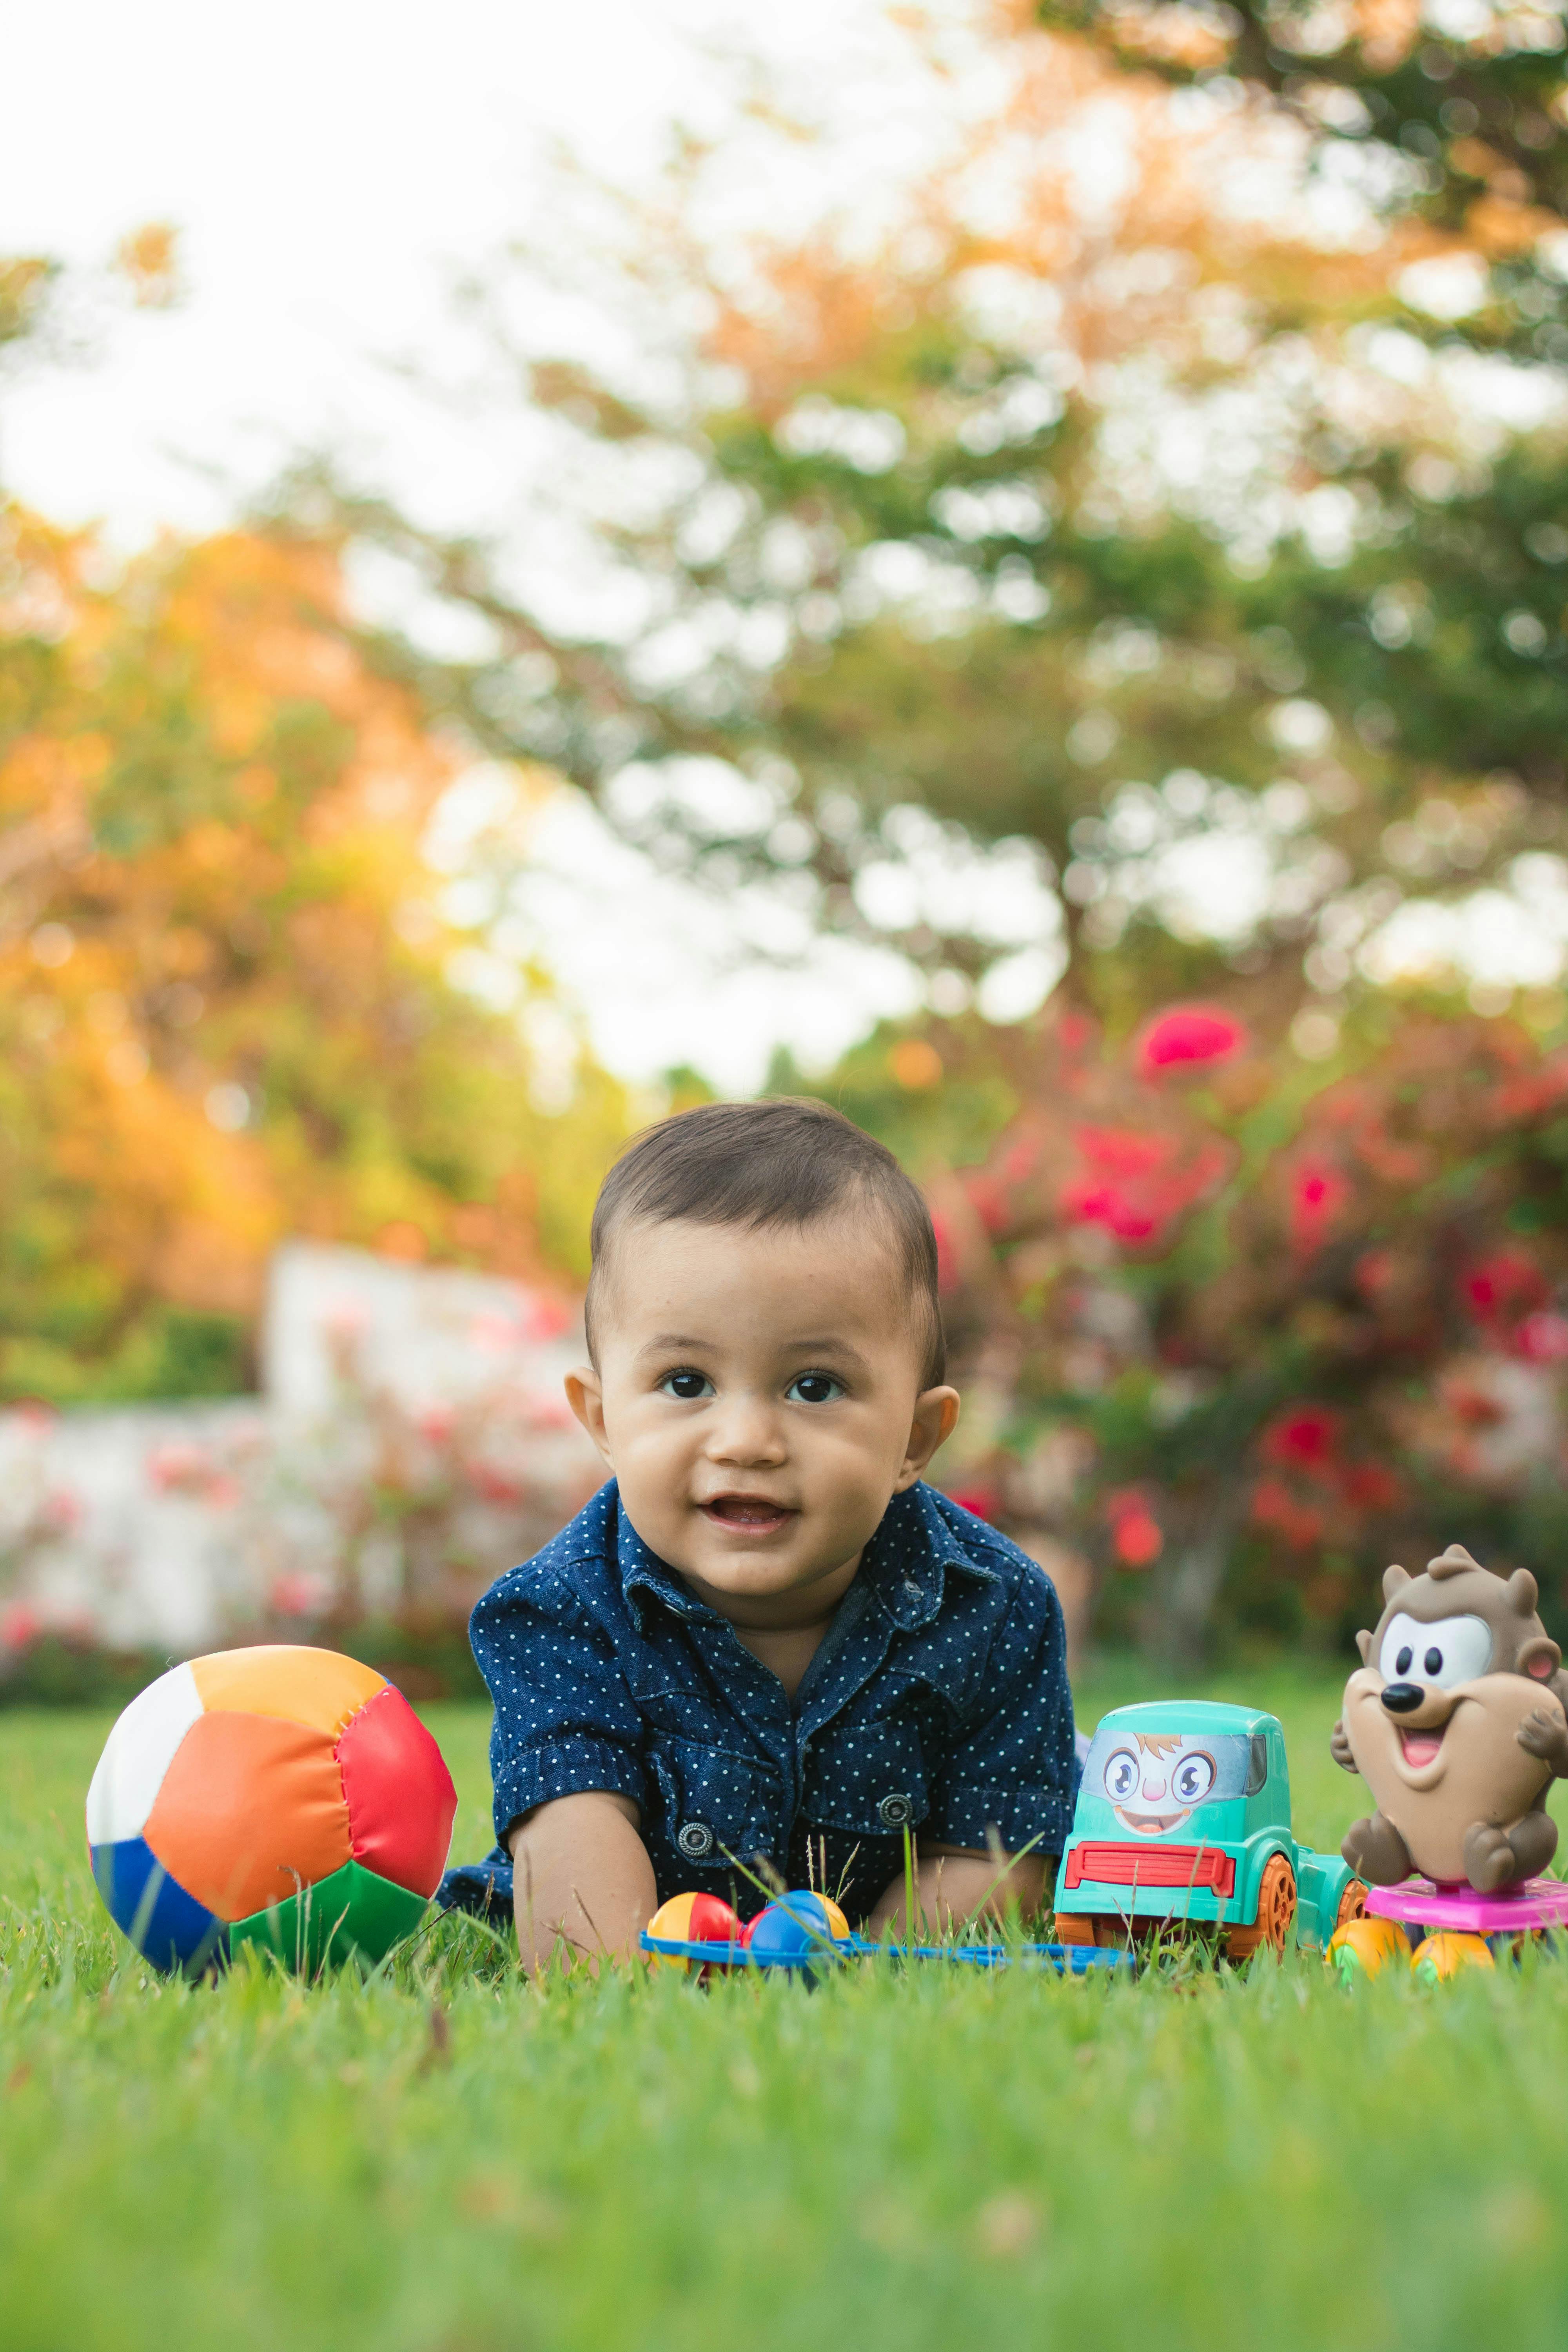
(139, 1751)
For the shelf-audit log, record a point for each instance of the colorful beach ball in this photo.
(284, 1797)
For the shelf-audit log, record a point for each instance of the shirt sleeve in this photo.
(565, 1720)
(1014, 1769)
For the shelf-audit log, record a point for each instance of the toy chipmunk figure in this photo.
(1458, 1718)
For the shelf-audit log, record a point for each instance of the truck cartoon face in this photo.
(1184, 1815)
(1155, 1780)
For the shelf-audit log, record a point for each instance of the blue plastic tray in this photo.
(1066, 1959)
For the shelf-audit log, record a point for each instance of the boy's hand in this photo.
(956, 1884)
(582, 1885)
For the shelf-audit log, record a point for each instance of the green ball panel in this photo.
(352, 1914)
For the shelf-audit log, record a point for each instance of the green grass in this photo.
(948, 2159)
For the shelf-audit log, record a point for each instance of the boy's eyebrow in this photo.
(822, 1345)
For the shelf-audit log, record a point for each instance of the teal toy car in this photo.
(1184, 1821)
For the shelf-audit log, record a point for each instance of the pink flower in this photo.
(1544, 1338)
(63, 1511)
(1190, 1033)
(546, 1319)
(18, 1625)
(292, 1595)
(177, 1467)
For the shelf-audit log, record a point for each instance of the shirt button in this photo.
(695, 1840)
(911, 1588)
(894, 1811)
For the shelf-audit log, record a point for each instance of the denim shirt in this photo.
(937, 1702)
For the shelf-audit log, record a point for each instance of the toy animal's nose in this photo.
(1153, 1786)
(1402, 1698)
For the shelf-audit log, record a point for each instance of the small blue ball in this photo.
(793, 1928)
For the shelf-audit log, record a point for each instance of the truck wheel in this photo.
(1352, 1902)
(1276, 1911)
(1075, 1928)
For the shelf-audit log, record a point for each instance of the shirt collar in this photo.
(905, 1564)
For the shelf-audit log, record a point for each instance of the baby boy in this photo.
(766, 1650)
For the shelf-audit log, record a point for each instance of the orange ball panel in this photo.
(251, 1809)
(319, 1687)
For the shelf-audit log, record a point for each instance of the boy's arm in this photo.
(955, 1884)
(582, 1885)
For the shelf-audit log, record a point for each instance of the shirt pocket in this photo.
(711, 1802)
(867, 1778)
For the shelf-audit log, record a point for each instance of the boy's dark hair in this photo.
(782, 1162)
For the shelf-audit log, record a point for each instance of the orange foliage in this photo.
(1123, 248)
(222, 997)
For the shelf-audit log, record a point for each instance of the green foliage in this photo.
(893, 2163)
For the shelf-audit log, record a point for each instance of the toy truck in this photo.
(1183, 1822)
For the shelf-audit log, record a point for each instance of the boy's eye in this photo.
(813, 1388)
(687, 1386)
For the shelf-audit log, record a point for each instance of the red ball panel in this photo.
(251, 1809)
(713, 1921)
(400, 1794)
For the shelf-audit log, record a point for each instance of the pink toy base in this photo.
(1538, 1902)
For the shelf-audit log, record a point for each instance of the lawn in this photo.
(445, 2161)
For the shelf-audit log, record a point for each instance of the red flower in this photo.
(1503, 1286)
(1137, 1537)
(1304, 1439)
(946, 1263)
(1190, 1033)
(1275, 1510)
(1371, 1488)
(494, 1486)
(1134, 1183)
(1318, 1191)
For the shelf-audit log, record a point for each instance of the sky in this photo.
(331, 170)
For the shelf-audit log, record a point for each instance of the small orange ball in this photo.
(1438, 1957)
(1363, 1946)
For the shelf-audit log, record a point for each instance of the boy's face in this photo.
(758, 1399)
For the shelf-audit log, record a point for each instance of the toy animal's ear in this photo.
(1392, 1577)
(1364, 1644)
(1539, 1659)
(1523, 1592)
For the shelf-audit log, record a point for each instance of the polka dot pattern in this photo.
(938, 1701)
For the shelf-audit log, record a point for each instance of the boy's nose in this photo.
(1153, 1785)
(746, 1432)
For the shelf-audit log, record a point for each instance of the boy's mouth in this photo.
(752, 1515)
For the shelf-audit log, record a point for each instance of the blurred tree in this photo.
(1122, 503)
(1454, 117)
(226, 1008)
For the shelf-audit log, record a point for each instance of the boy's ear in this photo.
(936, 1418)
(585, 1395)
